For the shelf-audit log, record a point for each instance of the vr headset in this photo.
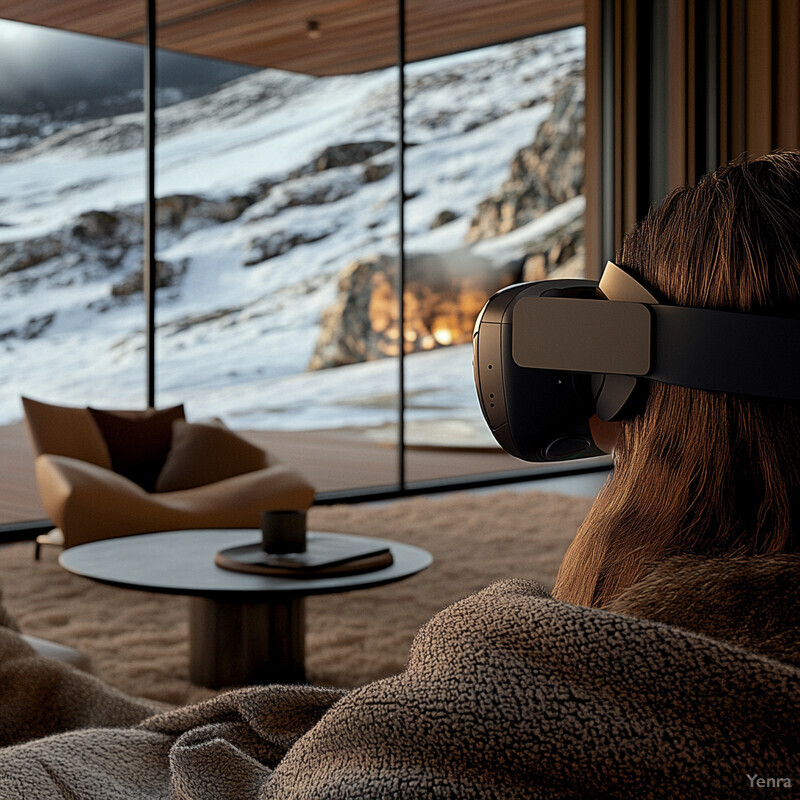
(549, 355)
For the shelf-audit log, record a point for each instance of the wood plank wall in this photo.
(696, 83)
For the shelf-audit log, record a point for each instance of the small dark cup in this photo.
(283, 531)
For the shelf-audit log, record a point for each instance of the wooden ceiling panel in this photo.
(354, 35)
(80, 16)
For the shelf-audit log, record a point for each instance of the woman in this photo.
(699, 472)
(512, 693)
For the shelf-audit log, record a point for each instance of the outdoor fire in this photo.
(443, 296)
(433, 317)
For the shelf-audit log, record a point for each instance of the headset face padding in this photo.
(549, 355)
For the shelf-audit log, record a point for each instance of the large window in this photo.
(278, 239)
(277, 210)
(495, 183)
(71, 195)
(279, 201)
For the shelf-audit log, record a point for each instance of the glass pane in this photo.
(495, 180)
(277, 214)
(71, 172)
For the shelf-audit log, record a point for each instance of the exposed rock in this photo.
(346, 335)
(442, 218)
(316, 183)
(88, 248)
(343, 155)
(33, 328)
(260, 190)
(316, 193)
(96, 225)
(276, 244)
(543, 175)
(100, 241)
(309, 190)
(443, 295)
(560, 254)
(174, 210)
(167, 274)
(20, 256)
(377, 172)
(186, 323)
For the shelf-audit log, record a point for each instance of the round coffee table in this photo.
(244, 628)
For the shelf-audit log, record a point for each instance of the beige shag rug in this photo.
(139, 641)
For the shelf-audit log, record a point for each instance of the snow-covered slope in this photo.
(239, 320)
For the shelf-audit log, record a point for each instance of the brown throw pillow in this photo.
(138, 441)
(205, 453)
(65, 431)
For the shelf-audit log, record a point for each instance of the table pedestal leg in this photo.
(239, 644)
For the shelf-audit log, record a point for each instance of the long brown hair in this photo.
(694, 471)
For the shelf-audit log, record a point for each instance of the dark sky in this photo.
(44, 67)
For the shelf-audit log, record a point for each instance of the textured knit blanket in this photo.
(507, 694)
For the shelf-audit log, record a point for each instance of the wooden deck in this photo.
(332, 460)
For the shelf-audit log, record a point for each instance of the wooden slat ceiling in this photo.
(355, 35)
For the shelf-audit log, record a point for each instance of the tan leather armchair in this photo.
(89, 501)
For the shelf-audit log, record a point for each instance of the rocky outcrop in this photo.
(96, 225)
(443, 295)
(377, 172)
(21, 256)
(276, 244)
(560, 254)
(343, 155)
(167, 274)
(337, 172)
(98, 242)
(346, 336)
(32, 329)
(543, 175)
(442, 218)
(174, 211)
(94, 244)
(313, 190)
(190, 321)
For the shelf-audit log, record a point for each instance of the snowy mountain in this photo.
(270, 187)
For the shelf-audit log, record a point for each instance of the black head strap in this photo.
(630, 339)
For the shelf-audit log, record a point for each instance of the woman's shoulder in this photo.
(752, 602)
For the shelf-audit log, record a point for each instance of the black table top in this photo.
(182, 562)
